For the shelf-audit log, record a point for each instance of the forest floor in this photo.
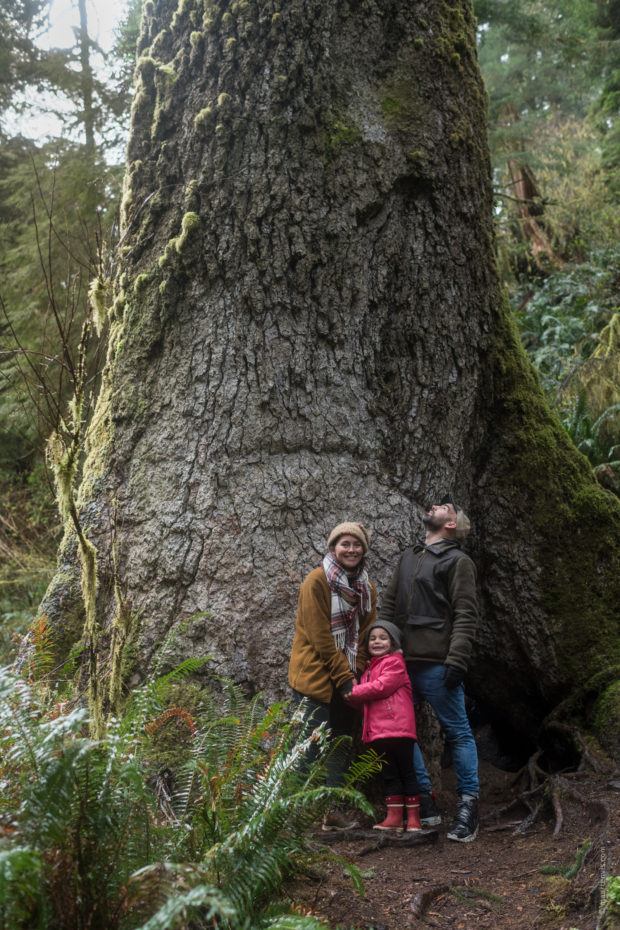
(495, 882)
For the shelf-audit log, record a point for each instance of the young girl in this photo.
(389, 724)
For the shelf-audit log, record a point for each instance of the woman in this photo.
(337, 605)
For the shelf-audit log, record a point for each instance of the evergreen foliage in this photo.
(551, 72)
(62, 81)
(94, 834)
(19, 56)
(568, 323)
(607, 107)
(544, 65)
(561, 314)
(28, 537)
(50, 236)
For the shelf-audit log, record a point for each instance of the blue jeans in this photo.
(449, 705)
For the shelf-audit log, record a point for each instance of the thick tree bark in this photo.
(308, 327)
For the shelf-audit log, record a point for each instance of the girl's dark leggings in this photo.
(398, 773)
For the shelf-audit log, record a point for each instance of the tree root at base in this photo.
(546, 796)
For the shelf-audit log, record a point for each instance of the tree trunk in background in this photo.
(525, 191)
(528, 203)
(86, 81)
(308, 327)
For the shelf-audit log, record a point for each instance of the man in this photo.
(432, 599)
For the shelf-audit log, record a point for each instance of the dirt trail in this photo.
(495, 882)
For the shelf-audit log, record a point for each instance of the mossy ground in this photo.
(607, 719)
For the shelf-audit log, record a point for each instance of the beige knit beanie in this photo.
(350, 529)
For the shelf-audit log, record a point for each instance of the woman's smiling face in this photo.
(349, 551)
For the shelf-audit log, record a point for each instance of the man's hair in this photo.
(462, 520)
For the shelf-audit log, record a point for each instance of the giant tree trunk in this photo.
(308, 327)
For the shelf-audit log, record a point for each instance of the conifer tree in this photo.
(307, 325)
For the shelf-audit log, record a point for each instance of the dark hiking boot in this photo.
(429, 815)
(465, 826)
(336, 820)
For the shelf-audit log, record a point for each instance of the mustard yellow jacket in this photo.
(316, 666)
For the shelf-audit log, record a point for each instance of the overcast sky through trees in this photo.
(103, 17)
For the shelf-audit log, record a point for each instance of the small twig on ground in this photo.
(529, 872)
(317, 892)
(499, 827)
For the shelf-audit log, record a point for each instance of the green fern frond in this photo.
(149, 700)
(21, 870)
(364, 767)
(40, 641)
(18, 716)
(294, 922)
(353, 871)
(204, 901)
(87, 815)
(186, 668)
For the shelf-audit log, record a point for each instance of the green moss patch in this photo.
(607, 720)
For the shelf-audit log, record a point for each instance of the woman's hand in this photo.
(346, 691)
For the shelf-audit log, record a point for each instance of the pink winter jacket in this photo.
(385, 692)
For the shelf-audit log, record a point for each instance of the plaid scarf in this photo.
(348, 602)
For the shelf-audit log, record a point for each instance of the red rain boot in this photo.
(394, 820)
(412, 805)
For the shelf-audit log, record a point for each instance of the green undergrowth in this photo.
(570, 327)
(28, 540)
(612, 894)
(583, 578)
(112, 834)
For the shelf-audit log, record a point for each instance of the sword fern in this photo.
(87, 843)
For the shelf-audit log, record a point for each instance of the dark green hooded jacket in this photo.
(432, 598)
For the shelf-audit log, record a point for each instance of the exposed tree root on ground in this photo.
(549, 840)
(375, 841)
(551, 793)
